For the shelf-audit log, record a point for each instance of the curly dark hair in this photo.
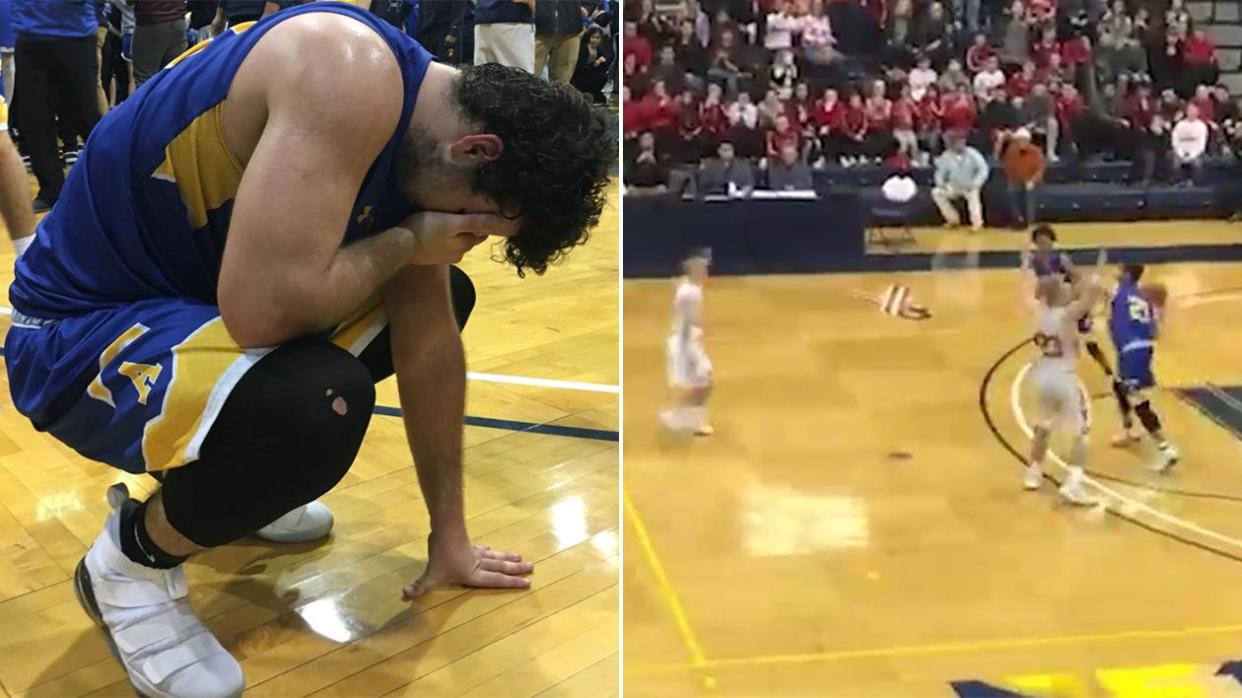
(554, 169)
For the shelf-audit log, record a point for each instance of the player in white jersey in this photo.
(689, 369)
(1055, 374)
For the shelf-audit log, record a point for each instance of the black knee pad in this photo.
(1147, 416)
(288, 432)
(377, 356)
(462, 289)
(1123, 396)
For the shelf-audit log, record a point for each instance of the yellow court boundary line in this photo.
(940, 648)
(669, 594)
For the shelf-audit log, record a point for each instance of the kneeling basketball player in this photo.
(244, 248)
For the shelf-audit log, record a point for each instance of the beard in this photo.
(422, 167)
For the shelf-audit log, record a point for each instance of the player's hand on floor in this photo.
(472, 566)
(444, 238)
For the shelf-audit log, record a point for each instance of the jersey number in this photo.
(1049, 345)
(143, 376)
(1140, 311)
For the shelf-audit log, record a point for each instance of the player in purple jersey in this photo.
(1047, 261)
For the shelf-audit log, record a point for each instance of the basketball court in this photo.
(857, 525)
(328, 618)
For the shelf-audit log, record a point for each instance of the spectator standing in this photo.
(1190, 140)
(504, 33)
(818, 42)
(58, 72)
(1120, 49)
(1024, 171)
(782, 25)
(595, 62)
(230, 13)
(1015, 35)
(558, 30)
(999, 119)
(691, 53)
(788, 172)
(932, 34)
(115, 72)
(961, 173)
(1198, 60)
(159, 36)
(726, 175)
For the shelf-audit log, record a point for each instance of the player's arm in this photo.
(431, 379)
(1091, 291)
(14, 191)
(1027, 283)
(284, 273)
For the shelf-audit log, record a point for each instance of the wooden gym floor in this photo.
(855, 528)
(1077, 235)
(328, 619)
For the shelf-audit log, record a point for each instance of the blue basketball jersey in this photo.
(1132, 323)
(145, 211)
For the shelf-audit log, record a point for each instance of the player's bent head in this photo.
(556, 154)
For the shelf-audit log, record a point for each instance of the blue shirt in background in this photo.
(52, 19)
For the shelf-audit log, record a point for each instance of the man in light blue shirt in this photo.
(961, 172)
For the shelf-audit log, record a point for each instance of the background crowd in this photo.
(67, 62)
(748, 89)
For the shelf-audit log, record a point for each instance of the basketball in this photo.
(1156, 293)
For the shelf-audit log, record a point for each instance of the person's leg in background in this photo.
(943, 197)
(1017, 193)
(562, 58)
(154, 46)
(974, 206)
(77, 71)
(7, 66)
(37, 119)
(101, 34)
(512, 45)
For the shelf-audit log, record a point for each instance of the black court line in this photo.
(512, 424)
(1021, 461)
(515, 425)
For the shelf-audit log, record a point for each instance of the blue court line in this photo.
(512, 425)
(515, 425)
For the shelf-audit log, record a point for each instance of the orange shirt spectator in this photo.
(1024, 161)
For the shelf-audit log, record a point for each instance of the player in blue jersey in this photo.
(1133, 324)
(1046, 261)
(245, 246)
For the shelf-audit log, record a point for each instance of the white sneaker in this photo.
(704, 430)
(1072, 493)
(1168, 458)
(1034, 477)
(1125, 439)
(306, 523)
(147, 619)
